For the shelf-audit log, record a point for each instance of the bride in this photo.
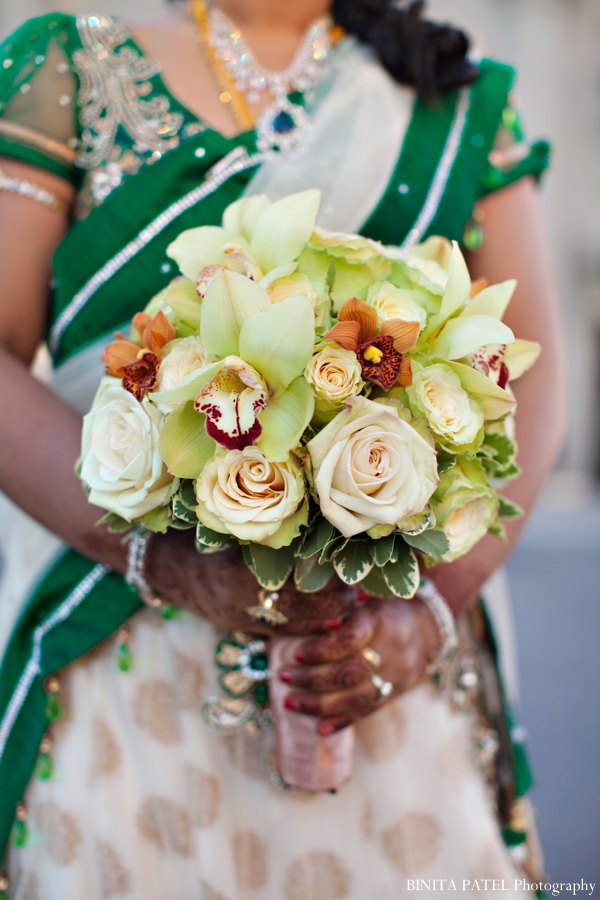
(113, 140)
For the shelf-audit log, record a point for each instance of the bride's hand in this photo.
(333, 680)
(219, 587)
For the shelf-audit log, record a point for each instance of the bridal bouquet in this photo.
(328, 403)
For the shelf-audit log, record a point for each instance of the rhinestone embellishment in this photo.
(282, 124)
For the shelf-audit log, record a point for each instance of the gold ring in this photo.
(266, 610)
(372, 657)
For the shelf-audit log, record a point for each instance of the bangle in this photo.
(137, 553)
(444, 619)
(33, 191)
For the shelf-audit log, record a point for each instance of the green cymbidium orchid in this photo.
(254, 393)
(257, 236)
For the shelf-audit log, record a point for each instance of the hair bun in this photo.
(428, 56)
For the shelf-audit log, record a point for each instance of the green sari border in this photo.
(78, 605)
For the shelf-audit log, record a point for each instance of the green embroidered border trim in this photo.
(89, 603)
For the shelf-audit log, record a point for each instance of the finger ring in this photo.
(384, 688)
(265, 611)
(372, 657)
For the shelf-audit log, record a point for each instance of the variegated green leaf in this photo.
(310, 575)
(402, 577)
(354, 561)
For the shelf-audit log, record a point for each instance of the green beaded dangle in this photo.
(54, 707)
(45, 764)
(21, 836)
(473, 236)
(124, 657)
(3, 886)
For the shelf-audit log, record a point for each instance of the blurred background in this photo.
(555, 573)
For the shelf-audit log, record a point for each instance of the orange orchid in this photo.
(381, 356)
(137, 364)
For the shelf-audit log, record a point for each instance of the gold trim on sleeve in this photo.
(16, 132)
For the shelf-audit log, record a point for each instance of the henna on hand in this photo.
(334, 679)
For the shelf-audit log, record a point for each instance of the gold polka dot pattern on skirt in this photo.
(165, 824)
(317, 876)
(412, 843)
(107, 752)
(115, 879)
(60, 832)
(381, 735)
(154, 708)
(250, 860)
(191, 681)
(205, 797)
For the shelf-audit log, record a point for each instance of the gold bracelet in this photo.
(33, 191)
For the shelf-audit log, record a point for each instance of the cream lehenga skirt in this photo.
(146, 803)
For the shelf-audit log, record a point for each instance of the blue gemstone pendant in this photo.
(281, 126)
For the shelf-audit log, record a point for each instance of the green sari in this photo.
(140, 183)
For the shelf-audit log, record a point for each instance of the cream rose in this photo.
(182, 357)
(335, 374)
(393, 303)
(465, 506)
(453, 415)
(245, 494)
(371, 468)
(120, 459)
(467, 525)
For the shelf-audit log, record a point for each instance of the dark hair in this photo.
(430, 57)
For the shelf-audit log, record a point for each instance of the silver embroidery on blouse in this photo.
(115, 80)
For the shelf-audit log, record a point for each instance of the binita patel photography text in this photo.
(501, 885)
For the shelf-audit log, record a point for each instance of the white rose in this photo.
(335, 374)
(393, 303)
(371, 468)
(453, 415)
(120, 459)
(467, 525)
(245, 494)
(182, 357)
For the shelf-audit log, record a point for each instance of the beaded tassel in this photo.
(45, 765)
(54, 707)
(3, 886)
(124, 657)
(20, 828)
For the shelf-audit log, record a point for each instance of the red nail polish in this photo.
(334, 623)
(286, 677)
(300, 657)
(326, 730)
(292, 704)
(363, 596)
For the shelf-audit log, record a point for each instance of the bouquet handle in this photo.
(305, 759)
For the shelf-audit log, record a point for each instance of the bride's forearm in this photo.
(41, 439)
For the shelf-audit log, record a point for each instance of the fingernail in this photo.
(363, 596)
(326, 730)
(292, 704)
(300, 657)
(286, 677)
(334, 623)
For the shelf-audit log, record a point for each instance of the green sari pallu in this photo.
(114, 260)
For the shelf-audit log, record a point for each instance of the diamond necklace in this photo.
(281, 125)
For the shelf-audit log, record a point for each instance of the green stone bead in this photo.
(54, 707)
(20, 834)
(169, 612)
(45, 767)
(261, 693)
(473, 236)
(259, 662)
(124, 658)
